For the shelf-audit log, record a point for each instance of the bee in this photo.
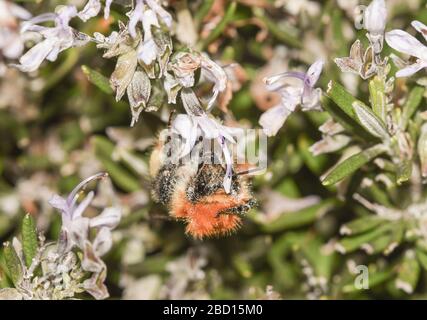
(193, 192)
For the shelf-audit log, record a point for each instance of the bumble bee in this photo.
(193, 192)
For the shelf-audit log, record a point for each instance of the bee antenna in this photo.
(161, 217)
(170, 118)
(245, 172)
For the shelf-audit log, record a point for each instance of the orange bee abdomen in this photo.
(209, 217)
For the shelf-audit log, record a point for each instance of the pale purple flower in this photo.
(76, 232)
(303, 93)
(404, 42)
(56, 39)
(75, 226)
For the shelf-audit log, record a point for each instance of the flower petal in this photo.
(19, 12)
(420, 27)
(375, 17)
(13, 48)
(273, 119)
(32, 60)
(405, 43)
(411, 69)
(36, 20)
(135, 16)
(109, 217)
(79, 231)
(78, 212)
(103, 242)
(311, 100)
(107, 9)
(213, 72)
(147, 51)
(90, 10)
(184, 126)
(59, 203)
(313, 73)
(208, 127)
(162, 13)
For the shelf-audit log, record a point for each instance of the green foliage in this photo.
(351, 164)
(13, 263)
(29, 239)
(97, 79)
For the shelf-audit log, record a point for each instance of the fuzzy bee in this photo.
(193, 191)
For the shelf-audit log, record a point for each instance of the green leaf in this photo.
(408, 273)
(321, 261)
(370, 121)
(29, 239)
(122, 177)
(411, 105)
(4, 283)
(361, 225)
(278, 32)
(356, 242)
(404, 171)
(338, 32)
(284, 272)
(422, 258)
(378, 97)
(387, 242)
(351, 164)
(13, 263)
(203, 10)
(219, 28)
(300, 218)
(243, 266)
(356, 110)
(349, 124)
(342, 98)
(315, 163)
(97, 79)
(288, 188)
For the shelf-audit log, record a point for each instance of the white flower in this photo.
(375, 17)
(303, 94)
(56, 39)
(11, 41)
(155, 43)
(147, 50)
(147, 11)
(408, 44)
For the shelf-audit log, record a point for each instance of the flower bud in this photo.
(375, 17)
